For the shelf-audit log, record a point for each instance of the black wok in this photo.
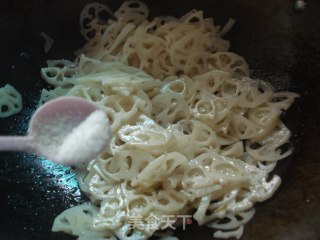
(281, 46)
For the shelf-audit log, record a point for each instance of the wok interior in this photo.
(280, 45)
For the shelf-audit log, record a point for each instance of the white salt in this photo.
(85, 141)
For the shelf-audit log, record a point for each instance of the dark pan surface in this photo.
(281, 46)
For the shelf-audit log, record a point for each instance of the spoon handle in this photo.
(15, 143)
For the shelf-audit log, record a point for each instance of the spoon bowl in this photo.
(55, 122)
